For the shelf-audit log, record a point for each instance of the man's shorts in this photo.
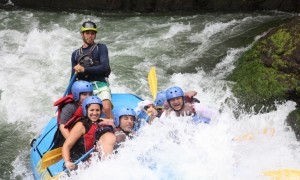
(102, 90)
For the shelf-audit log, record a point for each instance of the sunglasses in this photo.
(159, 108)
(148, 106)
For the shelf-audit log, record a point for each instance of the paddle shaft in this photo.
(78, 161)
(84, 156)
(55, 153)
(70, 84)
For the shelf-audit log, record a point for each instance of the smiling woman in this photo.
(83, 134)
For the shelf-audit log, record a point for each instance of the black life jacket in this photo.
(85, 142)
(89, 139)
(121, 136)
(86, 60)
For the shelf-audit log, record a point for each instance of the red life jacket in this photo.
(76, 116)
(85, 142)
(89, 137)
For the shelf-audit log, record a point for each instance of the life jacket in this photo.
(86, 60)
(76, 116)
(85, 142)
(121, 136)
(89, 137)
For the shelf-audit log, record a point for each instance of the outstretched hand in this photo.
(190, 94)
(107, 122)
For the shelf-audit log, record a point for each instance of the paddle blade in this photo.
(152, 82)
(286, 174)
(51, 157)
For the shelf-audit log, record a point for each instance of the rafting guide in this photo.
(91, 63)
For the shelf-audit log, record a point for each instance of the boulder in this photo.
(269, 72)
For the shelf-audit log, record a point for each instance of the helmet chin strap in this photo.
(89, 44)
(124, 130)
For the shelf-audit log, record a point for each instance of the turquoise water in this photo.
(194, 51)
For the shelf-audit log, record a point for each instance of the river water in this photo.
(194, 51)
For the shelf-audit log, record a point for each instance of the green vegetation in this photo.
(258, 85)
(270, 72)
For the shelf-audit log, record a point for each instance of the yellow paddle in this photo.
(76, 163)
(51, 157)
(283, 174)
(152, 82)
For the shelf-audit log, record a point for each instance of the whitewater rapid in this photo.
(195, 52)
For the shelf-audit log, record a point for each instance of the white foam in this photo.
(175, 29)
(210, 29)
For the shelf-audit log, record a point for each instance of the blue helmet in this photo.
(90, 100)
(160, 98)
(174, 92)
(123, 112)
(80, 87)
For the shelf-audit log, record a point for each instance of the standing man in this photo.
(91, 63)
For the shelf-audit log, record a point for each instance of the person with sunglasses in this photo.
(91, 63)
(146, 112)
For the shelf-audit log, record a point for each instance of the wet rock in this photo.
(269, 72)
(294, 121)
(3, 2)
